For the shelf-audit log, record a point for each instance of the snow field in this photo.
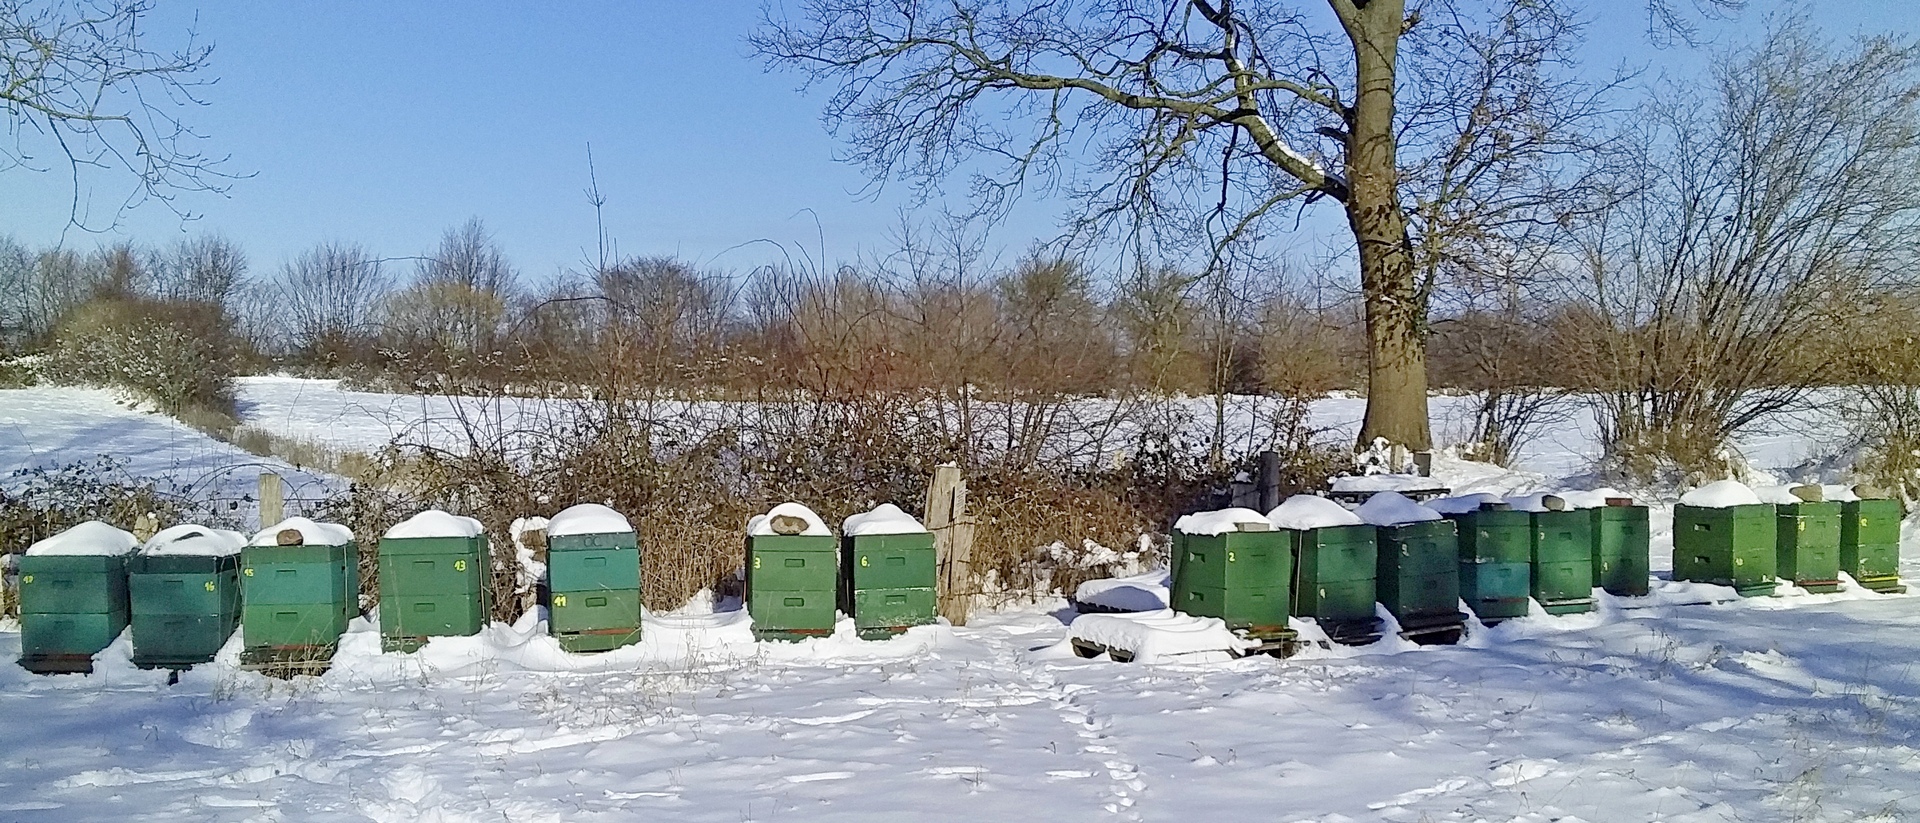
(1769, 709)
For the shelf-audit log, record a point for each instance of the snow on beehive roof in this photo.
(188, 539)
(588, 518)
(1464, 504)
(1841, 493)
(1394, 509)
(311, 533)
(762, 524)
(1594, 499)
(1720, 495)
(90, 538)
(885, 518)
(1220, 522)
(1303, 512)
(436, 523)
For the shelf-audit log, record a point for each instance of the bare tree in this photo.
(205, 269)
(1766, 213)
(1204, 120)
(328, 294)
(80, 78)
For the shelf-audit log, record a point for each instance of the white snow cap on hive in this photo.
(1532, 502)
(1721, 495)
(1304, 512)
(588, 518)
(311, 533)
(1594, 499)
(1841, 493)
(436, 523)
(1394, 509)
(90, 538)
(1216, 523)
(197, 541)
(762, 524)
(1464, 504)
(885, 518)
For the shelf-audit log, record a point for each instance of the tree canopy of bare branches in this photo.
(1190, 119)
(79, 77)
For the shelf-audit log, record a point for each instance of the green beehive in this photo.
(1240, 574)
(793, 574)
(433, 575)
(300, 585)
(888, 572)
(593, 576)
(1622, 545)
(73, 597)
(1870, 543)
(1563, 561)
(1334, 570)
(184, 588)
(1726, 546)
(1807, 545)
(1496, 573)
(1418, 573)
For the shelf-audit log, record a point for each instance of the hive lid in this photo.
(588, 518)
(762, 525)
(90, 539)
(885, 518)
(311, 533)
(436, 523)
(1223, 521)
(192, 540)
(1305, 512)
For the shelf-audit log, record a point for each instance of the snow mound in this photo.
(436, 523)
(1305, 512)
(1224, 521)
(1464, 504)
(311, 533)
(1594, 499)
(189, 540)
(1721, 495)
(1394, 509)
(1158, 635)
(885, 518)
(92, 538)
(762, 524)
(1138, 593)
(1387, 483)
(588, 518)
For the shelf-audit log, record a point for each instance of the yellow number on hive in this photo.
(209, 585)
(459, 565)
(248, 572)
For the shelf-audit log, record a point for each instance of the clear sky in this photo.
(387, 122)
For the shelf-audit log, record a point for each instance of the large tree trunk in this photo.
(1396, 317)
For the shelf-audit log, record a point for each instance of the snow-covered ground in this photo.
(1801, 707)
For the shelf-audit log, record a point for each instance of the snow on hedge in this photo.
(436, 523)
(1721, 495)
(1394, 509)
(1223, 521)
(92, 538)
(588, 518)
(1157, 635)
(190, 540)
(1304, 512)
(885, 518)
(762, 524)
(311, 533)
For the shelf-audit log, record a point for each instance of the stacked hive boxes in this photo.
(300, 583)
(1418, 567)
(184, 588)
(1723, 534)
(593, 573)
(1563, 544)
(793, 574)
(433, 572)
(1496, 551)
(1334, 562)
(73, 597)
(1234, 566)
(888, 572)
(1870, 543)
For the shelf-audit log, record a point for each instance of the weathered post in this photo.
(952, 541)
(1269, 480)
(273, 499)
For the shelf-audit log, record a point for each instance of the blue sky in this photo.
(385, 123)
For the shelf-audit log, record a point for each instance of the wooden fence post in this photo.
(953, 542)
(273, 499)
